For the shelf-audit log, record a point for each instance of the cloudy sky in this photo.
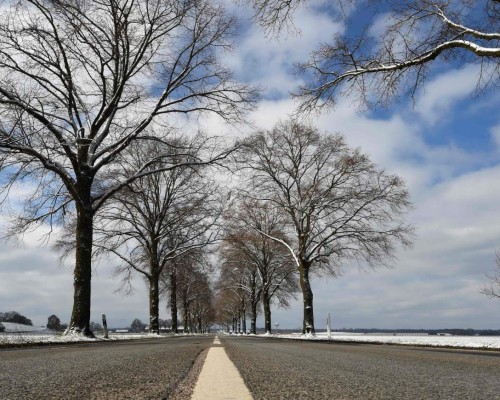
(446, 145)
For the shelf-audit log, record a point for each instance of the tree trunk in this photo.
(307, 294)
(173, 301)
(244, 316)
(154, 299)
(253, 318)
(253, 307)
(267, 311)
(80, 316)
(185, 317)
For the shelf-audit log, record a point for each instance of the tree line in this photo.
(98, 103)
(15, 317)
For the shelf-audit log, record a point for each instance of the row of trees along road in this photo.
(190, 289)
(83, 81)
(159, 217)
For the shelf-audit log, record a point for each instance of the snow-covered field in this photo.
(11, 327)
(475, 342)
(24, 334)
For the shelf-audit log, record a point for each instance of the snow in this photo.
(11, 327)
(47, 336)
(472, 342)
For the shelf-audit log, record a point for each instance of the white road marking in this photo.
(219, 378)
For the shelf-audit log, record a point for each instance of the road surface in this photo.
(274, 369)
(140, 369)
(270, 368)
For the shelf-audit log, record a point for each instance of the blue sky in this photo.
(446, 146)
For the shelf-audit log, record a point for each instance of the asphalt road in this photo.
(119, 370)
(274, 369)
(271, 369)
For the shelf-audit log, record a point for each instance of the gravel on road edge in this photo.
(185, 387)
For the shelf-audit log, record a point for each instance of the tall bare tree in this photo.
(80, 81)
(158, 217)
(336, 203)
(245, 250)
(493, 289)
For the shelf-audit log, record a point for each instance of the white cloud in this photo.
(269, 63)
(495, 135)
(442, 94)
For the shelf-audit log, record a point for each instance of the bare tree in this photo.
(228, 309)
(274, 16)
(338, 205)
(240, 277)
(158, 217)
(202, 307)
(193, 289)
(246, 250)
(175, 277)
(80, 81)
(493, 290)
(397, 62)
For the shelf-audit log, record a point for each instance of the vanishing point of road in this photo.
(174, 367)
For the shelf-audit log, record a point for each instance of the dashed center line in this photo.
(219, 378)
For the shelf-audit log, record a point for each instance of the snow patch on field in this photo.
(475, 342)
(11, 327)
(30, 337)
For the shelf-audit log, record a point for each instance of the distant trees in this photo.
(137, 326)
(165, 323)
(2, 328)
(194, 292)
(54, 323)
(255, 266)
(229, 310)
(96, 327)
(14, 317)
(80, 82)
(336, 204)
(239, 291)
(493, 289)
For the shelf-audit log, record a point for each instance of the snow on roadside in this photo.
(34, 338)
(473, 342)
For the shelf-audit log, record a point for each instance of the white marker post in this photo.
(105, 326)
(328, 327)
